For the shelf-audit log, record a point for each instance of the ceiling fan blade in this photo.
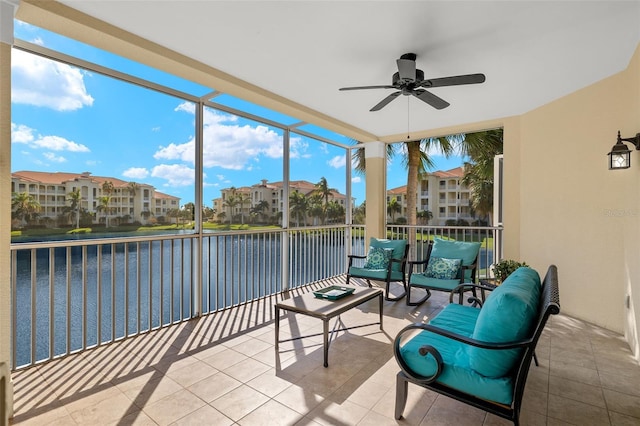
(454, 80)
(430, 98)
(385, 101)
(406, 69)
(367, 87)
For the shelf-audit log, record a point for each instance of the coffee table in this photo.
(308, 304)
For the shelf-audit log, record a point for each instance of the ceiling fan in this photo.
(410, 81)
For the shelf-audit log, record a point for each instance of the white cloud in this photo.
(337, 162)
(38, 41)
(356, 179)
(155, 129)
(136, 173)
(45, 83)
(229, 145)
(53, 157)
(57, 143)
(175, 174)
(25, 135)
(21, 133)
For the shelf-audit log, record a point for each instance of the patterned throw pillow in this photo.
(442, 268)
(378, 258)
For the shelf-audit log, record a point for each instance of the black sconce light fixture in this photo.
(620, 155)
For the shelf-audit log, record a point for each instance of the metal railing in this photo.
(72, 295)
(489, 236)
(69, 296)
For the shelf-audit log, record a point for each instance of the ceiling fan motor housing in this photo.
(396, 81)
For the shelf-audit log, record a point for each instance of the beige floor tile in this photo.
(332, 413)
(270, 383)
(146, 390)
(252, 347)
(577, 391)
(206, 415)
(173, 407)
(618, 419)
(214, 387)
(192, 373)
(447, 411)
(269, 414)
(239, 402)
(299, 399)
(629, 384)
(225, 359)
(622, 403)
(107, 410)
(137, 418)
(577, 412)
(246, 369)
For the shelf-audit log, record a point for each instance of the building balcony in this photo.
(217, 364)
(223, 369)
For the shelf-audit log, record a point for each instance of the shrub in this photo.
(505, 267)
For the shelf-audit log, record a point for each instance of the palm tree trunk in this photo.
(414, 157)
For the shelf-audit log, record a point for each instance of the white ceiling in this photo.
(531, 52)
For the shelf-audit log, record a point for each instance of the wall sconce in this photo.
(620, 155)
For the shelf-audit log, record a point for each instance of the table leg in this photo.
(325, 332)
(277, 327)
(381, 304)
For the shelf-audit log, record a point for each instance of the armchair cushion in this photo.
(507, 315)
(466, 251)
(398, 247)
(378, 258)
(443, 268)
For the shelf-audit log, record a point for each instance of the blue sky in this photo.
(70, 120)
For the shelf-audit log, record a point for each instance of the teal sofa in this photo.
(480, 356)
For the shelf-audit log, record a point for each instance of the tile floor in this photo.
(222, 370)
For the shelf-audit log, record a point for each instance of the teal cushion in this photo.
(398, 247)
(456, 372)
(507, 315)
(375, 274)
(466, 251)
(378, 258)
(443, 268)
(422, 280)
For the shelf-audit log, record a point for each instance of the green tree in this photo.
(260, 208)
(298, 205)
(425, 216)
(322, 189)
(74, 198)
(335, 212)
(359, 213)
(393, 206)
(478, 171)
(24, 207)
(103, 207)
(242, 200)
(230, 202)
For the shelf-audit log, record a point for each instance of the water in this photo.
(133, 287)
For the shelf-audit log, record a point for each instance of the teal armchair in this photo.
(386, 261)
(448, 264)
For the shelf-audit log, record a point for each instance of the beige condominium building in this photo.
(131, 201)
(269, 194)
(441, 192)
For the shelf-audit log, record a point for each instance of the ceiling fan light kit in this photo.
(410, 81)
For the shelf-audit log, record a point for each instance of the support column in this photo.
(7, 12)
(375, 154)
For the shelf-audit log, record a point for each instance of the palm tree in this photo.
(425, 215)
(478, 172)
(74, 197)
(335, 212)
(298, 205)
(393, 206)
(103, 206)
(260, 208)
(242, 200)
(322, 189)
(231, 201)
(107, 190)
(417, 160)
(315, 208)
(133, 188)
(24, 206)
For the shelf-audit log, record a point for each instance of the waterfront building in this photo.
(442, 193)
(129, 201)
(247, 199)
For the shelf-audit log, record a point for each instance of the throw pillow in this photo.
(378, 258)
(443, 268)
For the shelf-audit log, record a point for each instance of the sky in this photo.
(66, 119)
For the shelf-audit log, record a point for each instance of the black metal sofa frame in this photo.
(549, 305)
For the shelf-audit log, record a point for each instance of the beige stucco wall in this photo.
(567, 208)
